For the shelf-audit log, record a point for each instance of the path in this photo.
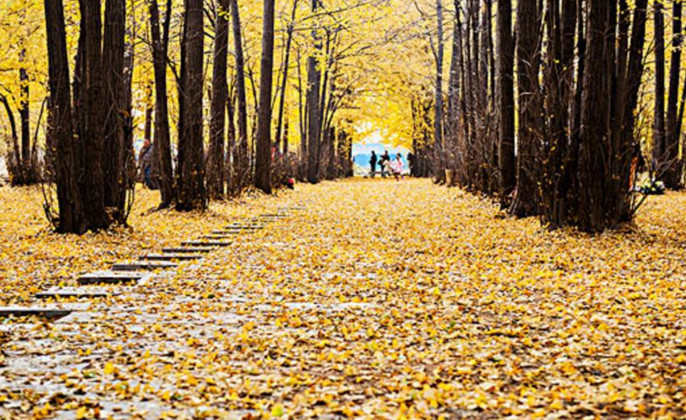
(380, 298)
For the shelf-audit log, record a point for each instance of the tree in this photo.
(117, 120)
(60, 138)
(314, 123)
(505, 97)
(659, 148)
(673, 172)
(77, 166)
(240, 158)
(528, 60)
(162, 142)
(263, 156)
(220, 93)
(190, 183)
(284, 81)
(438, 96)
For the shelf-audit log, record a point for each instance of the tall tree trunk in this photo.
(264, 159)
(438, 96)
(673, 133)
(284, 81)
(162, 141)
(659, 123)
(14, 164)
(115, 108)
(92, 117)
(452, 125)
(220, 93)
(528, 56)
(60, 137)
(25, 165)
(241, 160)
(190, 175)
(594, 162)
(505, 97)
(314, 124)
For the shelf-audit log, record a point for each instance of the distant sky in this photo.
(366, 149)
(375, 141)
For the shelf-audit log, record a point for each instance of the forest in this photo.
(556, 109)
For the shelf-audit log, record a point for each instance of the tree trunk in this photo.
(14, 164)
(594, 162)
(438, 96)
(264, 158)
(116, 181)
(672, 175)
(26, 167)
(162, 141)
(190, 174)
(220, 93)
(92, 117)
(659, 123)
(313, 112)
(284, 82)
(241, 160)
(528, 56)
(505, 97)
(60, 138)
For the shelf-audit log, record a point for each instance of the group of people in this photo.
(387, 166)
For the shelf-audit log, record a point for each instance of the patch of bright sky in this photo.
(377, 142)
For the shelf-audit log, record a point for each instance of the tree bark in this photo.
(190, 175)
(92, 117)
(672, 177)
(220, 93)
(25, 165)
(505, 97)
(438, 96)
(284, 82)
(60, 141)
(313, 112)
(659, 122)
(241, 160)
(162, 141)
(116, 181)
(263, 153)
(528, 57)
(594, 162)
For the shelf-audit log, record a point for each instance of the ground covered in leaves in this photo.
(381, 299)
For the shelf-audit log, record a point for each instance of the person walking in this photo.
(372, 164)
(145, 163)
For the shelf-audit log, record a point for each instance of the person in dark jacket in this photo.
(145, 163)
(384, 158)
(372, 164)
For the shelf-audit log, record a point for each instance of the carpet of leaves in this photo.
(382, 299)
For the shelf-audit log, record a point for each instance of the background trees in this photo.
(437, 77)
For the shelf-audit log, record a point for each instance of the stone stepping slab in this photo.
(206, 243)
(144, 266)
(169, 257)
(245, 227)
(187, 250)
(73, 292)
(219, 236)
(109, 277)
(6, 311)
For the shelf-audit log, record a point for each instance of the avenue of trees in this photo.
(545, 105)
(89, 131)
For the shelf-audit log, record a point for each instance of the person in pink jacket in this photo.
(397, 167)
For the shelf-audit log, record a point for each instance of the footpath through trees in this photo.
(375, 298)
